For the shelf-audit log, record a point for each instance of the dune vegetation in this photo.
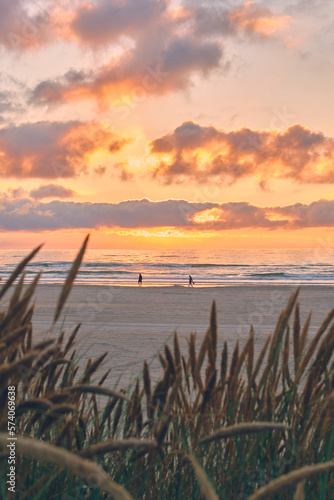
(216, 425)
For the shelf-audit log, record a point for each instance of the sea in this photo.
(208, 268)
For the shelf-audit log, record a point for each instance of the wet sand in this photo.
(132, 324)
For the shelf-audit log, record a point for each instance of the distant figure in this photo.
(140, 280)
(191, 281)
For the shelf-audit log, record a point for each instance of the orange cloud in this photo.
(207, 154)
(54, 149)
(165, 46)
(167, 217)
(259, 20)
(160, 63)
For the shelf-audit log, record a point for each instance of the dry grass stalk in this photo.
(296, 334)
(300, 491)
(18, 270)
(261, 357)
(212, 347)
(200, 358)
(69, 280)
(207, 490)
(242, 429)
(177, 352)
(34, 404)
(308, 355)
(14, 335)
(170, 361)
(162, 360)
(103, 379)
(75, 465)
(303, 335)
(250, 353)
(223, 365)
(96, 389)
(291, 479)
(71, 339)
(192, 355)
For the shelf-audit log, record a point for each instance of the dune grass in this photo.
(215, 425)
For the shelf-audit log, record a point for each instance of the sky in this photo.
(167, 124)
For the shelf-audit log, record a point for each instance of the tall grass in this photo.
(215, 425)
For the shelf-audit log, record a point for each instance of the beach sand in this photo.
(131, 324)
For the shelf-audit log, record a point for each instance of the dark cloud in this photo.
(163, 56)
(297, 153)
(105, 21)
(9, 102)
(5, 102)
(20, 30)
(317, 214)
(119, 144)
(164, 46)
(100, 170)
(51, 149)
(189, 135)
(51, 191)
(123, 173)
(228, 19)
(159, 63)
(24, 214)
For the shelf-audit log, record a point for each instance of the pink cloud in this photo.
(48, 149)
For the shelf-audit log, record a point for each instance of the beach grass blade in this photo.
(75, 465)
(18, 270)
(291, 479)
(70, 280)
(206, 487)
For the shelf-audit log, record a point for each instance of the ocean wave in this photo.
(267, 275)
(105, 264)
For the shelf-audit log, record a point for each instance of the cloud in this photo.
(51, 191)
(25, 214)
(207, 154)
(161, 53)
(25, 26)
(317, 214)
(23, 30)
(189, 136)
(156, 47)
(118, 144)
(104, 21)
(249, 19)
(52, 149)
(159, 63)
(100, 170)
(255, 19)
(9, 102)
(5, 102)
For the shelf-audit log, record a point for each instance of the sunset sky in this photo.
(167, 124)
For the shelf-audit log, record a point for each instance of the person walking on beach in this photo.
(191, 281)
(140, 280)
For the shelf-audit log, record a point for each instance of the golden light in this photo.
(276, 217)
(269, 25)
(209, 215)
(165, 232)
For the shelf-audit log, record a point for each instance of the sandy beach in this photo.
(132, 324)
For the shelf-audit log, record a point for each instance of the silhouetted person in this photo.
(191, 281)
(140, 280)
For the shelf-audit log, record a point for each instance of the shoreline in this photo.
(196, 286)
